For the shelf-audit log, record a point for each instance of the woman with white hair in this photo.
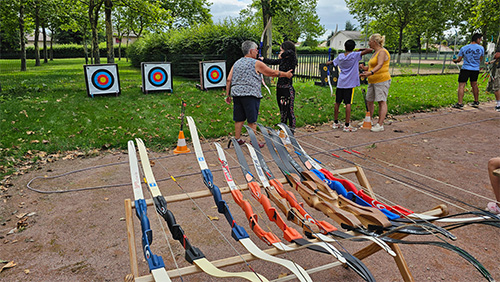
(379, 79)
(244, 86)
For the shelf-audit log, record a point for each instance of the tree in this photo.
(486, 18)
(186, 13)
(393, 17)
(349, 26)
(292, 19)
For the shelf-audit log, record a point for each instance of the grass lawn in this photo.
(46, 110)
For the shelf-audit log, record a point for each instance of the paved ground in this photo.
(82, 236)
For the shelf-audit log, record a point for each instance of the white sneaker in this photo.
(349, 129)
(335, 125)
(377, 128)
(493, 208)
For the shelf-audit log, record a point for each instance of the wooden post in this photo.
(131, 238)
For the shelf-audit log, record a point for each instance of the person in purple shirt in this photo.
(472, 54)
(348, 63)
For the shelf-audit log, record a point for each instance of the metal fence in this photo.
(308, 64)
(409, 64)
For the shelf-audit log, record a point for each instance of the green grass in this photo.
(46, 109)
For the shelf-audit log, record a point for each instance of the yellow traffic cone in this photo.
(181, 144)
(367, 123)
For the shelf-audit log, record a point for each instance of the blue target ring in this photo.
(157, 76)
(102, 79)
(215, 74)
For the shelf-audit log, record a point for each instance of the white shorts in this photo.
(378, 92)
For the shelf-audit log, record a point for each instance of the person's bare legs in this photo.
(336, 112)
(461, 86)
(382, 112)
(348, 113)
(493, 164)
(371, 108)
(475, 91)
(238, 125)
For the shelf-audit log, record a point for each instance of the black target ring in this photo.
(157, 76)
(102, 79)
(215, 74)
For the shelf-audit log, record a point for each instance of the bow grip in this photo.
(154, 261)
(334, 185)
(209, 181)
(141, 209)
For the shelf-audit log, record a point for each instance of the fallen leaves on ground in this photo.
(10, 264)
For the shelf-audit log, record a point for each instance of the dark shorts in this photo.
(344, 95)
(246, 108)
(468, 74)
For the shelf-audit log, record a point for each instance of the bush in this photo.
(64, 51)
(185, 47)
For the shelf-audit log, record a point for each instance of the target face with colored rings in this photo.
(102, 79)
(215, 74)
(157, 76)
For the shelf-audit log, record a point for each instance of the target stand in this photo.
(102, 79)
(156, 77)
(212, 75)
(334, 75)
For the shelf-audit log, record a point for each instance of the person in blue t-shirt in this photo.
(348, 63)
(472, 54)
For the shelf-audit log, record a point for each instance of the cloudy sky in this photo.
(331, 12)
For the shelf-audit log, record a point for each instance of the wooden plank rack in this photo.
(184, 271)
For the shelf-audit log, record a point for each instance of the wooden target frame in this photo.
(212, 74)
(156, 77)
(102, 79)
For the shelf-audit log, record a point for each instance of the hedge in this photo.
(64, 51)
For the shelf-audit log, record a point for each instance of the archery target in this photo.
(213, 74)
(102, 79)
(156, 77)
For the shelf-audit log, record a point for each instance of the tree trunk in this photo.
(45, 54)
(51, 53)
(400, 44)
(22, 36)
(109, 31)
(94, 18)
(37, 33)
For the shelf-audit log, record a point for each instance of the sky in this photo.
(330, 12)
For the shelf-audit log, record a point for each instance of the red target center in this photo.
(157, 76)
(102, 79)
(214, 75)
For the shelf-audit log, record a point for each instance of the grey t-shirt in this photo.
(245, 81)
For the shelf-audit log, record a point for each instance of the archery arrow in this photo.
(192, 254)
(155, 263)
(237, 232)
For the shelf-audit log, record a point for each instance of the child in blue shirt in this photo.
(472, 54)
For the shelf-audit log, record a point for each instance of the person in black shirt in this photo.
(285, 93)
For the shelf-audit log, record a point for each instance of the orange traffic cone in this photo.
(367, 123)
(181, 144)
